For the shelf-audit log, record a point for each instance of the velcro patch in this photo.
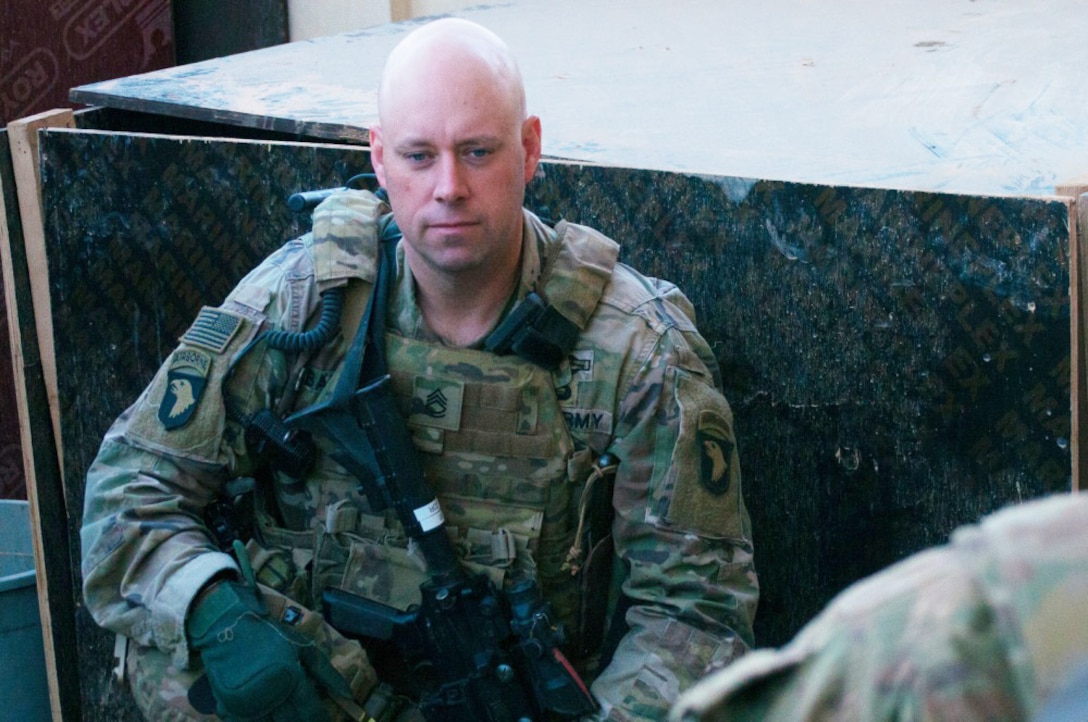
(581, 364)
(185, 384)
(437, 403)
(292, 615)
(595, 420)
(213, 329)
(702, 486)
(715, 452)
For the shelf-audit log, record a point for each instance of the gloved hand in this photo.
(258, 668)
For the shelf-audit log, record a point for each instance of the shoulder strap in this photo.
(545, 325)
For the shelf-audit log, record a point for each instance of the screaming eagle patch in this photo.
(185, 383)
(715, 452)
(701, 489)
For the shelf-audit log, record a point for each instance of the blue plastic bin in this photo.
(24, 687)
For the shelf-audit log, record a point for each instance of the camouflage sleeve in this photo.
(987, 627)
(681, 529)
(146, 549)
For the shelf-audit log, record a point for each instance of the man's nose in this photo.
(450, 185)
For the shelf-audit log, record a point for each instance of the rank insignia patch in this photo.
(581, 364)
(437, 403)
(185, 382)
(715, 453)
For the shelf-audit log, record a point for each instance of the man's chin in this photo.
(463, 267)
(454, 261)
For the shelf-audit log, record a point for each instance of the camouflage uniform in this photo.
(985, 628)
(508, 447)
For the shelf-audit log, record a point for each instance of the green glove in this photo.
(258, 668)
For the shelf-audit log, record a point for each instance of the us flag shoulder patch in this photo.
(213, 329)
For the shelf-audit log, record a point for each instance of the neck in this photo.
(461, 309)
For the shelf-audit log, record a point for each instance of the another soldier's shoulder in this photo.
(1053, 516)
(1049, 531)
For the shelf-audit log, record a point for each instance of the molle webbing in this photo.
(491, 415)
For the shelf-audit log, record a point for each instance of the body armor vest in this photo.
(495, 448)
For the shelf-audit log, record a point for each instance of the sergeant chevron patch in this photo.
(436, 403)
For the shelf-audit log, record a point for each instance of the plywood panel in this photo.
(155, 228)
(1078, 292)
(208, 29)
(38, 463)
(970, 97)
(12, 477)
(898, 362)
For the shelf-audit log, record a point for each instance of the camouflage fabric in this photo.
(988, 627)
(509, 464)
(166, 693)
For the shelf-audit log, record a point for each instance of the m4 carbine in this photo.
(477, 652)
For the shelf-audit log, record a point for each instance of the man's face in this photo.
(455, 155)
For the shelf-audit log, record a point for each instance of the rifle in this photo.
(477, 652)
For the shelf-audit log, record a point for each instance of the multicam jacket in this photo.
(508, 447)
(990, 627)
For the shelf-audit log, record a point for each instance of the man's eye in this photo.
(478, 153)
(419, 157)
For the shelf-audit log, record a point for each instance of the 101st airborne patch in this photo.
(185, 383)
(706, 497)
(715, 453)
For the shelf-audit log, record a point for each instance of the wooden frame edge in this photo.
(23, 138)
(1076, 191)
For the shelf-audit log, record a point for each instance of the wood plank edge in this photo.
(1076, 190)
(28, 192)
(24, 142)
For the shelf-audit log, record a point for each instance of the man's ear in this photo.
(377, 154)
(530, 144)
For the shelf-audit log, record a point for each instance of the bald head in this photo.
(425, 60)
(454, 149)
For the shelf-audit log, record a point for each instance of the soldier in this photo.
(989, 627)
(520, 420)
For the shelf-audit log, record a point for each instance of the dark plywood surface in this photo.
(12, 478)
(45, 49)
(154, 228)
(210, 29)
(971, 96)
(898, 362)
